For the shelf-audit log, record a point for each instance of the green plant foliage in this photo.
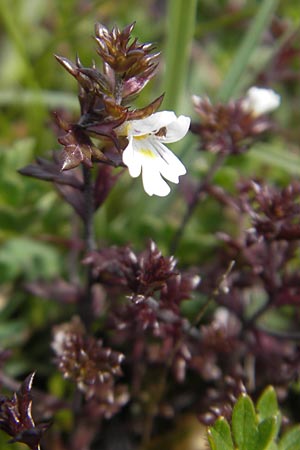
(254, 427)
(215, 49)
(23, 257)
(244, 423)
(290, 440)
(219, 436)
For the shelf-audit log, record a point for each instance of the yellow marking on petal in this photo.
(147, 152)
(142, 136)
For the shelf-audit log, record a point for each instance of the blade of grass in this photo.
(248, 44)
(275, 156)
(180, 30)
(225, 21)
(261, 63)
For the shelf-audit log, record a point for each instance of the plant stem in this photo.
(198, 195)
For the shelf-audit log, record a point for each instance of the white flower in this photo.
(147, 153)
(260, 101)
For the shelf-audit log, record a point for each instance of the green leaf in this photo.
(291, 439)
(219, 436)
(244, 423)
(267, 431)
(28, 258)
(267, 405)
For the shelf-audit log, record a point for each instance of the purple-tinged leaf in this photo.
(16, 419)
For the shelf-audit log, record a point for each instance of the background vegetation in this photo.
(217, 48)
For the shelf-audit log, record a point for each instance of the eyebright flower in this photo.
(146, 151)
(260, 101)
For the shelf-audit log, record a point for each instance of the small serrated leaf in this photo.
(219, 436)
(244, 423)
(291, 439)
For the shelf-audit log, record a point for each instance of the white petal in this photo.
(150, 124)
(176, 129)
(169, 165)
(260, 101)
(132, 160)
(153, 182)
(151, 165)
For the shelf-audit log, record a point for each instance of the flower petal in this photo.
(169, 165)
(151, 162)
(150, 124)
(260, 101)
(153, 183)
(132, 159)
(176, 129)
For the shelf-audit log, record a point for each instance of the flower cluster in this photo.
(111, 132)
(134, 61)
(140, 274)
(263, 278)
(231, 128)
(87, 362)
(274, 212)
(149, 318)
(127, 136)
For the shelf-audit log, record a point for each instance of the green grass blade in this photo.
(180, 31)
(275, 156)
(248, 44)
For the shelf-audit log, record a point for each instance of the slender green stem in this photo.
(251, 39)
(180, 30)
